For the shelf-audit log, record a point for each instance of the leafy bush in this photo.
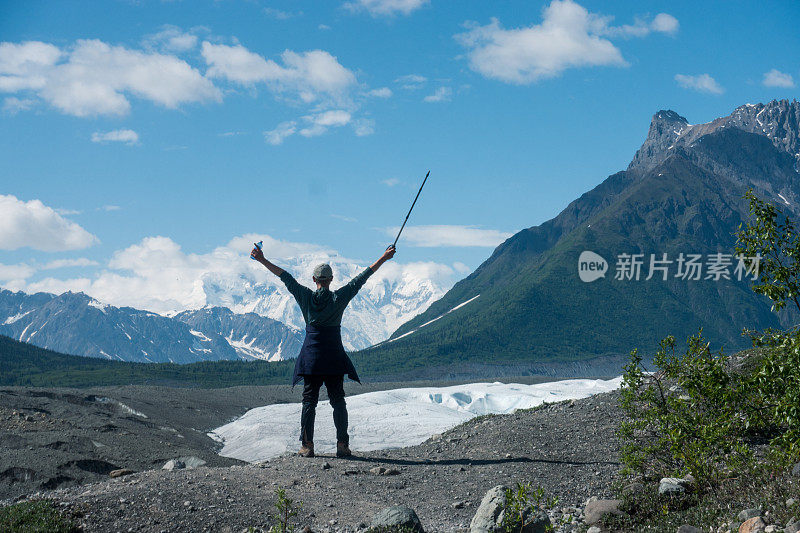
(705, 414)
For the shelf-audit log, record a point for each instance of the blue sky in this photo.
(314, 122)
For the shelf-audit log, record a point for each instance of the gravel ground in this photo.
(569, 449)
(55, 438)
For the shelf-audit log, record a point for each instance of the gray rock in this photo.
(792, 527)
(174, 464)
(595, 510)
(491, 512)
(796, 470)
(120, 472)
(398, 516)
(686, 528)
(672, 486)
(747, 514)
(593, 529)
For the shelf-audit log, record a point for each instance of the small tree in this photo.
(771, 236)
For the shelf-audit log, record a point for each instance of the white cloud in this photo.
(278, 14)
(665, 23)
(94, 78)
(323, 27)
(391, 182)
(309, 75)
(344, 218)
(281, 132)
(157, 275)
(13, 105)
(69, 263)
(35, 225)
(568, 37)
(444, 235)
(776, 78)
(442, 94)
(317, 124)
(321, 122)
(110, 208)
(172, 39)
(128, 137)
(16, 274)
(411, 81)
(378, 8)
(702, 82)
(383, 92)
(66, 212)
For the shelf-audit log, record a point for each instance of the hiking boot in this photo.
(343, 449)
(306, 450)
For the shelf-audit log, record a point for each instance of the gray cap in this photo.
(323, 271)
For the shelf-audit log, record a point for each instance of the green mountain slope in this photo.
(530, 305)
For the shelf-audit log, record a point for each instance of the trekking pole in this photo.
(412, 208)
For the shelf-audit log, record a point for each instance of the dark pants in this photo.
(335, 387)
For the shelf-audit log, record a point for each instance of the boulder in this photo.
(753, 525)
(174, 464)
(397, 517)
(595, 510)
(488, 516)
(793, 526)
(796, 470)
(673, 486)
(686, 528)
(491, 512)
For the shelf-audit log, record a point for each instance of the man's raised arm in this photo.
(258, 255)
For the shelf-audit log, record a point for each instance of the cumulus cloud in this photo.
(378, 8)
(442, 94)
(383, 92)
(94, 78)
(128, 137)
(15, 274)
(309, 75)
(569, 36)
(158, 275)
(444, 235)
(35, 225)
(703, 83)
(776, 78)
(318, 124)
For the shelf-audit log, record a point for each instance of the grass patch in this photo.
(39, 516)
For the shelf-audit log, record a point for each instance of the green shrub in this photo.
(523, 504)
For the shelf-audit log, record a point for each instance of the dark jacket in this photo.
(322, 352)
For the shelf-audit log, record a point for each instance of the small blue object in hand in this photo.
(258, 245)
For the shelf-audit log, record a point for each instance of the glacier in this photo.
(391, 418)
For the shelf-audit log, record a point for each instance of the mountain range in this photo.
(681, 194)
(77, 324)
